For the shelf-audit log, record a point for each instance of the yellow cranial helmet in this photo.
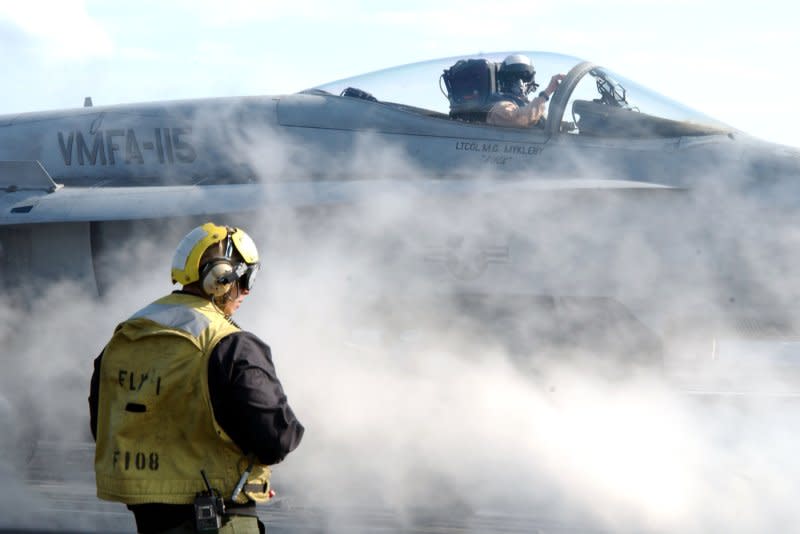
(186, 261)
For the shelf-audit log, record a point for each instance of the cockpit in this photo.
(591, 101)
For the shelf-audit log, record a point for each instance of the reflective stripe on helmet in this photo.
(186, 262)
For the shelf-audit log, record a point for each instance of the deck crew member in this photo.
(181, 389)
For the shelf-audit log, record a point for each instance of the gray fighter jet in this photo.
(612, 163)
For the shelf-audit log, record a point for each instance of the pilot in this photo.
(516, 80)
(181, 389)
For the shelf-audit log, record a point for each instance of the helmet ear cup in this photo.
(212, 273)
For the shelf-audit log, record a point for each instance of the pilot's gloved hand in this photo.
(553, 85)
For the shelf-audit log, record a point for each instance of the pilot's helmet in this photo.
(516, 74)
(217, 256)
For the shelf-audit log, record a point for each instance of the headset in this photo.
(219, 274)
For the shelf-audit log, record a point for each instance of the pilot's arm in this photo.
(510, 114)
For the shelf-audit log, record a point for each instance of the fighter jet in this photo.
(612, 159)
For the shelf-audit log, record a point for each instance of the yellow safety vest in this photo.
(156, 428)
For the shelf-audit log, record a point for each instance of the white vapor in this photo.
(553, 410)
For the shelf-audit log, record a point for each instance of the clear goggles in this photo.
(246, 275)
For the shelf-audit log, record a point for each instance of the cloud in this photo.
(59, 30)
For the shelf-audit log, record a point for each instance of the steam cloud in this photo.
(520, 410)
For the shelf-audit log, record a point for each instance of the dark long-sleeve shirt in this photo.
(248, 399)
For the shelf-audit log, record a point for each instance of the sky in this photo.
(734, 61)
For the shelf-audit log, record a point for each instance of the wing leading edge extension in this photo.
(28, 195)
